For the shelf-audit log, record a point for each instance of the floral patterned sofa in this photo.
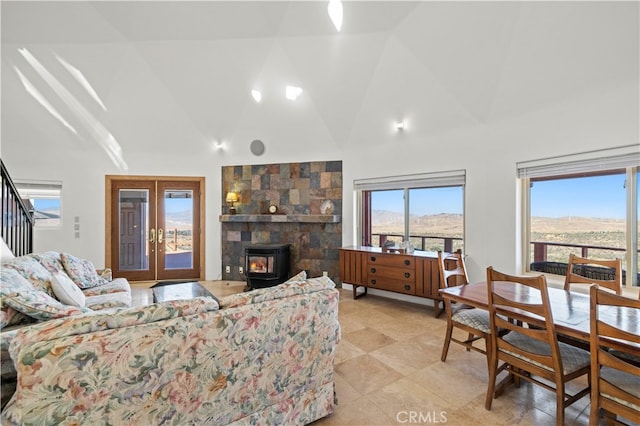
(44, 286)
(260, 357)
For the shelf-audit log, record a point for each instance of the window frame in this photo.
(624, 159)
(40, 190)
(364, 187)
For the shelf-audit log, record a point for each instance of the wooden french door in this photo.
(155, 228)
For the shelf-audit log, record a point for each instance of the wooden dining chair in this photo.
(615, 387)
(474, 322)
(530, 351)
(582, 270)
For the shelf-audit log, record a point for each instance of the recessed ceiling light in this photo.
(257, 96)
(292, 92)
(335, 13)
(400, 125)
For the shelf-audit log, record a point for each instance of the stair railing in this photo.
(17, 222)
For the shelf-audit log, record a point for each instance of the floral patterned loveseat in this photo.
(260, 357)
(44, 286)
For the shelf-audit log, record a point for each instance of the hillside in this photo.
(444, 223)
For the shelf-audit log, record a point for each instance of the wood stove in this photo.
(266, 265)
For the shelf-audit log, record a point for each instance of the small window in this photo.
(44, 201)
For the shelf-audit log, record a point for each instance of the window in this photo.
(585, 205)
(425, 209)
(43, 199)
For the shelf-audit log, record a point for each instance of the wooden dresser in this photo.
(415, 274)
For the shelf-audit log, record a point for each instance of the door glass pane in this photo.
(133, 210)
(436, 219)
(387, 217)
(178, 229)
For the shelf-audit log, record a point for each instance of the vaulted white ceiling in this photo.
(182, 71)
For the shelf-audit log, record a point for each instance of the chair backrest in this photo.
(582, 270)
(521, 305)
(615, 345)
(452, 269)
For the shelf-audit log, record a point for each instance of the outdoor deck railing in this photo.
(540, 249)
(447, 246)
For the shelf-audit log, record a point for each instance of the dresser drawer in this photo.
(398, 286)
(396, 260)
(382, 271)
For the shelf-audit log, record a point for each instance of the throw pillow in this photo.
(41, 306)
(81, 271)
(50, 260)
(13, 282)
(67, 291)
(33, 271)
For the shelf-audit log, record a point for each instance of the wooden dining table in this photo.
(570, 310)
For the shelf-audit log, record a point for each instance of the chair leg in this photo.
(469, 339)
(447, 340)
(559, 404)
(491, 388)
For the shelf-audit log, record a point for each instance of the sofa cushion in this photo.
(120, 299)
(81, 271)
(113, 319)
(279, 291)
(300, 276)
(9, 317)
(40, 306)
(67, 291)
(118, 285)
(29, 267)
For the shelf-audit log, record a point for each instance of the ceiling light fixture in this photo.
(292, 92)
(257, 95)
(335, 13)
(400, 126)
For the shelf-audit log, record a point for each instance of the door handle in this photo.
(160, 235)
(152, 235)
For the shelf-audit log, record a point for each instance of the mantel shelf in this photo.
(281, 218)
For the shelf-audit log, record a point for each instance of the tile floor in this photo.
(388, 371)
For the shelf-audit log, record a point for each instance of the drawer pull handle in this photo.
(407, 262)
(373, 258)
(373, 282)
(373, 270)
(407, 287)
(407, 274)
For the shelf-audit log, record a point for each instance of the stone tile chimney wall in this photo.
(308, 197)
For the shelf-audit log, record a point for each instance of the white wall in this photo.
(513, 81)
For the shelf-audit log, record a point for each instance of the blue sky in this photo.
(44, 204)
(597, 196)
(423, 201)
